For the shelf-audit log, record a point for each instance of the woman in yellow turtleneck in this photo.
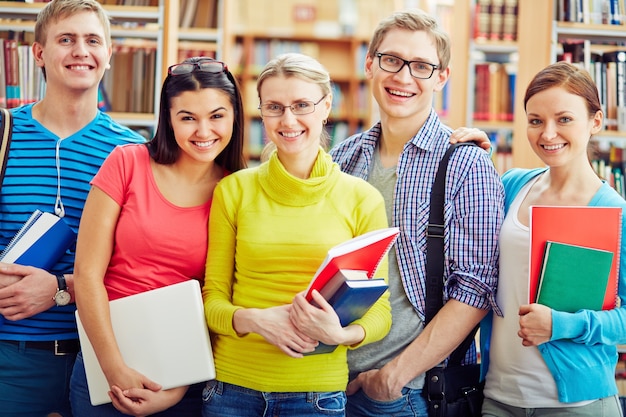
(269, 230)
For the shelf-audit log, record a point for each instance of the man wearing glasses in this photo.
(407, 62)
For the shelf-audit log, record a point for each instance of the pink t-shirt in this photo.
(156, 242)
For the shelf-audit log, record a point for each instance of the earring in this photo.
(324, 122)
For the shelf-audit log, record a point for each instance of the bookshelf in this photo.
(146, 40)
(343, 57)
(335, 33)
(203, 28)
(484, 68)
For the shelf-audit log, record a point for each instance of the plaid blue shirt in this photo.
(474, 211)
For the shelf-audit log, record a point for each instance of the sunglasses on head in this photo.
(205, 65)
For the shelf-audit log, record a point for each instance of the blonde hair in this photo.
(413, 20)
(299, 66)
(58, 9)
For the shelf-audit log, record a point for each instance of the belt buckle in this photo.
(58, 352)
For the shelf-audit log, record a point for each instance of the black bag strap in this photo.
(435, 232)
(6, 130)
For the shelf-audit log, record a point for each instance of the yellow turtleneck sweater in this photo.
(268, 233)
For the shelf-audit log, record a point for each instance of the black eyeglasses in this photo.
(394, 64)
(300, 108)
(205, 65)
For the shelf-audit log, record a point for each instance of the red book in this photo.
(363, 253)
(593, 227)
(11, 63)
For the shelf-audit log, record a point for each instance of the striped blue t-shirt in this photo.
(30, 183)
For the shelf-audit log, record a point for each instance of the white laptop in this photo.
(161, 333)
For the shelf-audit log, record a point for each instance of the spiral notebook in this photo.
(161, 333)
(41, 241)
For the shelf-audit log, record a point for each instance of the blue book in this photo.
(40, 242)
(354, 298)
(351, 300)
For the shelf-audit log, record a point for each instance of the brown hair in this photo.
(414, 20)
(569, 77)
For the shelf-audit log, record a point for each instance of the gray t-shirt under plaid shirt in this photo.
(406, 324)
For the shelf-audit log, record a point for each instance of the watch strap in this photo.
(61, 284)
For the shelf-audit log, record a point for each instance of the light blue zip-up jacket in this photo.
(582, 352)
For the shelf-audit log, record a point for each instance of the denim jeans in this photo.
(604, 407)
(411, 404)
(189, 406)
(227, 400)
(33, 382)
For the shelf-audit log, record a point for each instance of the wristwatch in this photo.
(62, 297)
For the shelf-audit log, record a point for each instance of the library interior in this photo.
(497, 47)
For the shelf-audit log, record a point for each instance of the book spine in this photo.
(481, 20)
(11, 60)
(509, 20)
(496, 17)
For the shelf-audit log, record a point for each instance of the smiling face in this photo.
(560, 126)
(75, 53)
(202, 122)
(294, 135)
(400, 95)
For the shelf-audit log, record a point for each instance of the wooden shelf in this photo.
(598, 33)
(131, 27)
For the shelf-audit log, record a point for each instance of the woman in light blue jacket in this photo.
(539, 360)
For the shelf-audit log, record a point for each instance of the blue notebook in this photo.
(351, 301)
(40, 242)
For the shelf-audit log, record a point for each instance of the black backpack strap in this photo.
(435, 232)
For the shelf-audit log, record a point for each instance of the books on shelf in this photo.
(495, 20)
(607, 12)
(198, 14)
(494, 91)
(129, 84)
(509, 20)
(615, 62)
(608, 70)
(574, 277)
(40, 242)
(362, 253)
(588, 226)
(351, 293)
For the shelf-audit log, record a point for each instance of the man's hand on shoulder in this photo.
(25, 291)
(471, 134)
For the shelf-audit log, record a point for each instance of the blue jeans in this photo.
(411, 404)
(604, 407)
(189, 406)
(33, 382)
(227, 400)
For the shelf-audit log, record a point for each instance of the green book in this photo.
(573, 277)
